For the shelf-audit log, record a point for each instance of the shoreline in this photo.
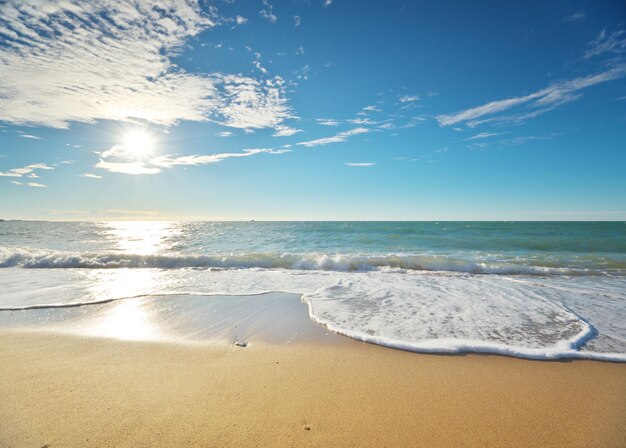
(271, 316)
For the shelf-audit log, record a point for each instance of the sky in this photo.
(312, 110)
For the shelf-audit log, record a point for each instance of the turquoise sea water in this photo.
(542, 247)
(534, 289)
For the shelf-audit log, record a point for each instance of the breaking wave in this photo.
(42, 259)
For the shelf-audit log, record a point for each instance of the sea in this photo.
(538, 290)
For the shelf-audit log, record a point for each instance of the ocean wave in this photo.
(42, 259)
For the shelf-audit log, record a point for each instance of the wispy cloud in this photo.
(91, 176)
(169, 161)
(362, 121)
(134, 168)
(340, 137)
(409, 98)
(519, 140)
(267, 12)
(34, 137)
(327, 122)
(68, 61)
(250, 104)
(116, 163)
(576, 17)
(328, 2)
(360, 164)
(614, 43)
(29, 184)
(296, 21)
(24, 171)
(241, 20)
(533, 104)
(484, 135)
(371, 108)
(224, 134)
(285, 131)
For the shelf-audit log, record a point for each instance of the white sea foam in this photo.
(46, 259)
(442, 312)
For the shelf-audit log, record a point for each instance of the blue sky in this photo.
(313, 110)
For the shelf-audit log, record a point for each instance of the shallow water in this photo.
(275, 318)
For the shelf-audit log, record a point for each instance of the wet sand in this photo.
(65, 389)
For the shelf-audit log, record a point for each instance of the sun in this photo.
(138, 143)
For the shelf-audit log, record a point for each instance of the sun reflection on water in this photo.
(119, 283)
(135, 318)
(143, 237)
(126, 319)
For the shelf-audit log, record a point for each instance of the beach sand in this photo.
(69, 390)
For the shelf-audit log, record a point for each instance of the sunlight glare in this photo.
(143, 237)
(138, 143)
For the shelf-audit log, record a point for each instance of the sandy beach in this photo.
(68, 390)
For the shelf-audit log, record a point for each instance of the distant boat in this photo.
(252, 220)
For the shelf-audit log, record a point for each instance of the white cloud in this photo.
(538, 102)
(169, 161)
(328, 2)
(361, 164)
(127, 167)
(34, 137)
(250, 104)
(576, 17)
(28, 169)
(360, 121)
(296, 20)
(414, 121)
(259, 67)
(241, 20)
(285, 131)
(155, 165)
(409, 98)
(64, 61)
(267, 12)
(29, 184)
(327, 122)
(484, 135)
(91, 176)
(224, 134)
(371, 108)
(340, 137)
